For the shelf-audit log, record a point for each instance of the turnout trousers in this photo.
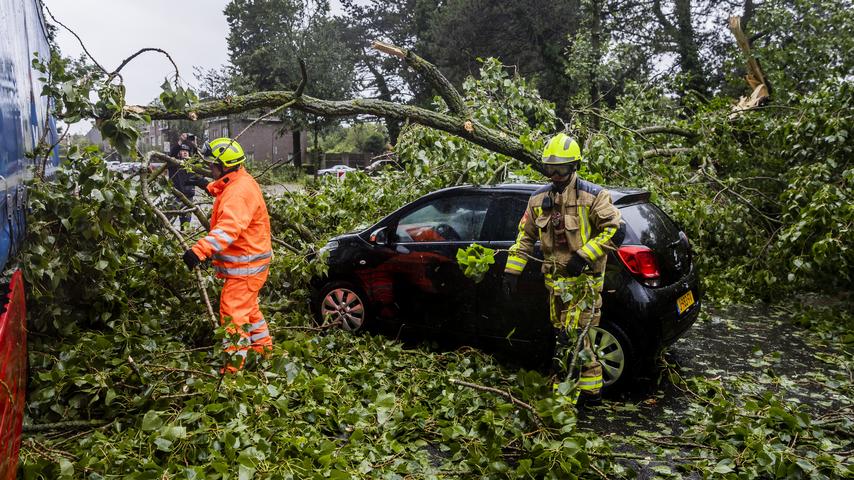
(239, 313)
(568, 323)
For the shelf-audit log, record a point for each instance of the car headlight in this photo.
(330, 245)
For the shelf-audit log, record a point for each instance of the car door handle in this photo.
(402, 249)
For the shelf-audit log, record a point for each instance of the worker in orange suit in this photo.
(239, 246)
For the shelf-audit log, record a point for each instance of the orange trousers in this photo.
(239, 313)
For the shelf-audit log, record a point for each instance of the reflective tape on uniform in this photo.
(257, 325)
(515, 263)
(590, 383)
(241, 271)
(243, 258)
(214, 243)
(260, 336)
(223, 236)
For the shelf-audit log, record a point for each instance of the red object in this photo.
(13, 376)
(639, 260)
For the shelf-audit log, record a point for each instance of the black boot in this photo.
(587, 400)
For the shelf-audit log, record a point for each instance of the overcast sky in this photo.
(192, 31)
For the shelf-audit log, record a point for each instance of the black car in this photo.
(401, 275)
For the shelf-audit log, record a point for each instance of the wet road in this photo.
(762, 341)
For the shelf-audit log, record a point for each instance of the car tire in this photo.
(342, 302)
(616, 353)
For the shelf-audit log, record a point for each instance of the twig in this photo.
(665, 152)
(285, 244)
(68, 425)
(75, 36)
(601, 474)
(200, 215)
(138, 53)
(136, 369)
(666, 129)
(507, 395)
(182, 370)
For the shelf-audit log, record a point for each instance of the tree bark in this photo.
(297, 137)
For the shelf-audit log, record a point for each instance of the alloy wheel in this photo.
(610, 354)
(344, 306)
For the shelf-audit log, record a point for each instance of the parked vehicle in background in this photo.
(381, 165)
(24, 117)
(401, 273)
(336, 170)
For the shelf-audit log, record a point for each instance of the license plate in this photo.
(684, 302)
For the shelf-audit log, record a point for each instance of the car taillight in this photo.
(639, 260)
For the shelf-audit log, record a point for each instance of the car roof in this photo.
(619, 195)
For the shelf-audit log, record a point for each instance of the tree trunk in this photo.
(688, 50)
(596, 57)
(297, 137)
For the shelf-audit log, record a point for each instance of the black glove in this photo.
(200, 182)
(191, 259)
(508, 283)
(576, 265)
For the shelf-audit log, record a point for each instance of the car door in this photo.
(505, 321)
(431, 290)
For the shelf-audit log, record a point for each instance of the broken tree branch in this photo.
(442, 85)
(665, 152)
(666, 129)
(507, 395)
(456, 122)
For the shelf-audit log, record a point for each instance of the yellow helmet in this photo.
(226, 151)
(561, 149)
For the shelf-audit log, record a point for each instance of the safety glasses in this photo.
(561, 170)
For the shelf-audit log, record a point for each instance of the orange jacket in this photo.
(239, 240)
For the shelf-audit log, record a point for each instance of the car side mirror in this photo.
(380, 236)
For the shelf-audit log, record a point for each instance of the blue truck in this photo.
(25, 120)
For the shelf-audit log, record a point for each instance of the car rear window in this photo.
(645, 222)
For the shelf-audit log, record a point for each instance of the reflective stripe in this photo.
(222, 235)
(241, 353)
(590, 383)
(213, 243)
(515, 263)
(584, 227)
(597, 249)
(241, 270)
(259, 336)
(588, 252)
(257, 325)
(243, 258)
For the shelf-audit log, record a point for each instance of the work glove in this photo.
(576, 265)
(191, 259)
(200, 182)
(509, 283)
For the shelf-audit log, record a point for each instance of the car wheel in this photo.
(615, 352)
(344, 303)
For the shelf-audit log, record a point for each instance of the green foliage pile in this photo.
(117, 346)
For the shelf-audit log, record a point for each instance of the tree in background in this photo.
(398, 22)
(268, 37)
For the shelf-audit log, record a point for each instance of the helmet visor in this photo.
(562, 169)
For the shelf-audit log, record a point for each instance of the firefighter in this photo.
(577, 224)
(239, 246)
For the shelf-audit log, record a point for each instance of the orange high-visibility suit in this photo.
(239, 245)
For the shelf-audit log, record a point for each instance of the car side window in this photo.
(504, 216)
(447, 219)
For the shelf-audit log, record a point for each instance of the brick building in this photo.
(264, 143)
